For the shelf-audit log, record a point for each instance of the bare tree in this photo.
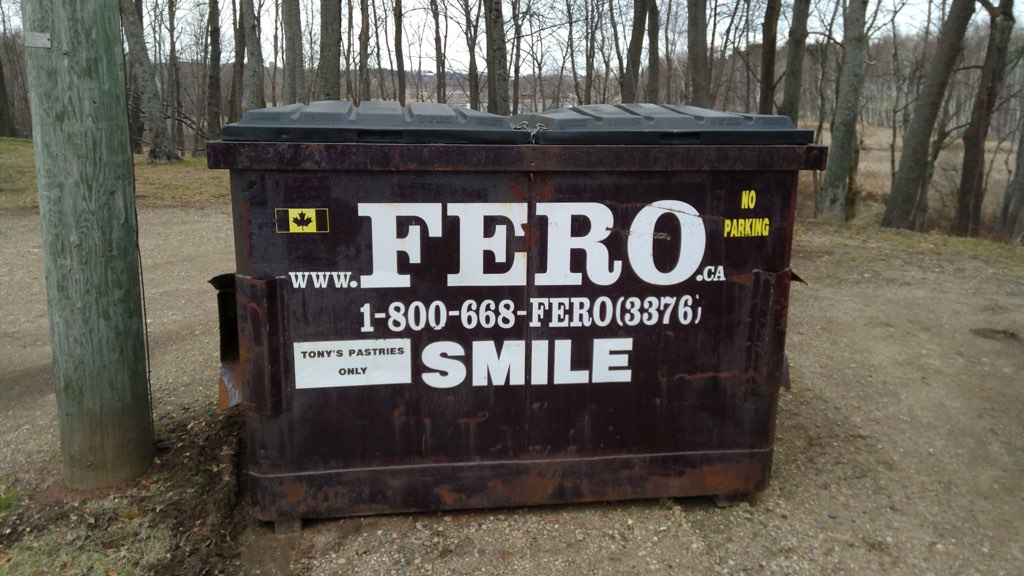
(795, 47)
(570, 49)
(294, 66)
(136, 127)
(615, 40)
(238, 66)
(901, 211)
(768, 31)
(972, 187)
(1011, 214)
(537, 60)
(830, 201)
(631, 80)
(671, 38)
(518, 18)
(350, 69)
(161, 149)
(328, 77)
(383, 75)
(399, 57)
(254, 52)
(173, 95)
(197, 97)
(7, 127)
(497, 58)
(440, 73)
(698, 69)
(277, 46)
(471, 20)
(213, 74)
(653, 58)
(364, 51)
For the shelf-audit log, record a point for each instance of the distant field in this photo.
(875, 177)
(187, 183)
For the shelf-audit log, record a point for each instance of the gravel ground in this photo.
(899, 448)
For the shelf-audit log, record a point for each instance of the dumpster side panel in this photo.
(363, 491)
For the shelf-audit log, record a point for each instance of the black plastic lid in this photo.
(659, 124)
(373, 121)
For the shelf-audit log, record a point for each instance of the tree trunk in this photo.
(277, 46)
(616, 42)
(967, 221)
(328, 78)
(399, 57)
(7, 127)
(653, 58)
(570, 49)
(671, 22)
(254, 69)
(161, 149)
(201, 80)
(135, 124)
(768, 33)
(830, 200)
(517, 52)
(697, 67)
(90, 246)
(631, 80)
(1011, 216)
(472, 37)
(497, 58)
(237, 67)
(294, 67)
(213, 76)
(1015, 218)
(350, 67)
(940, 134)
(592, 22)
(439, 67)
(908, 184)
(174, 107)
(795, 48)
(382, 83)
(852, 194)
(364, 51)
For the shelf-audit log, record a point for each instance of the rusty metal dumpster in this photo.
(437, 310)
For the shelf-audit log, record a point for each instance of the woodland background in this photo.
(919, 100)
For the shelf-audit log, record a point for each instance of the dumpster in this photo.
(443, 309)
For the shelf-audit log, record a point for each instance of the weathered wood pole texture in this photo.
(90, 245)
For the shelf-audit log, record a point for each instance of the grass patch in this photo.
(17, 174)
(10, 497)
(88, 543)
(998, 255)
(186, 183)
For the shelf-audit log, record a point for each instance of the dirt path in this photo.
(899, 449)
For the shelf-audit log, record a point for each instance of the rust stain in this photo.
(530, 235)
(726, 374)
(543, 190)
(473, 419)
(449, 496)
(529, 487)
(521, 194)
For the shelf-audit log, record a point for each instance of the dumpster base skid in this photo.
(433, 487)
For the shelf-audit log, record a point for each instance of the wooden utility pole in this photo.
(90, 245)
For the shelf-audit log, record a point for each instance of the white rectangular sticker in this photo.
(352, 363)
